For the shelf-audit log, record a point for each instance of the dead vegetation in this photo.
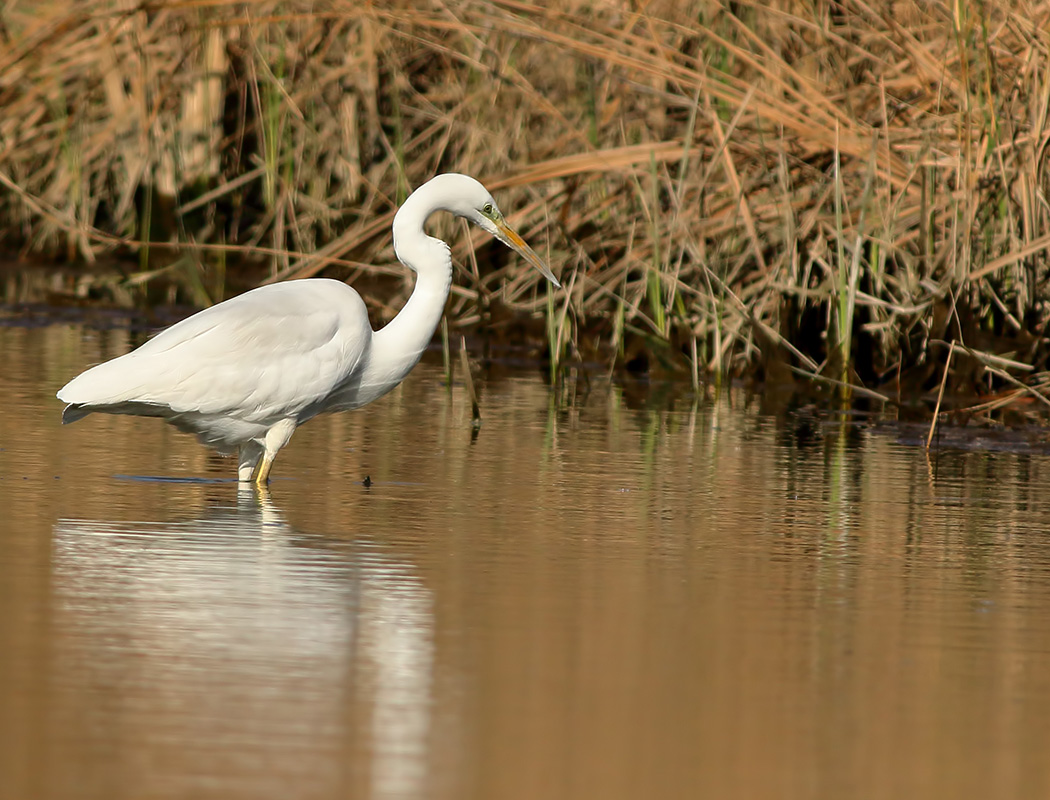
(836, 188)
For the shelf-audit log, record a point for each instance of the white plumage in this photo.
(244, 373)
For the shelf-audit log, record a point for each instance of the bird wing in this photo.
(267, 354)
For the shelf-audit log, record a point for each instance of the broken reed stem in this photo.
(468, 381)
(940, 394)
(446, 353)
(1021, 386)
(859, 390)
(695, 363)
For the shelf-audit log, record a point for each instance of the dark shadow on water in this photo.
(172, 479)
(194, 480)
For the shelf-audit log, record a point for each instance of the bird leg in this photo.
(262, 477)
(276, 438)
(250, 454)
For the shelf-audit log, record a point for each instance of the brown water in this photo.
(599, 598)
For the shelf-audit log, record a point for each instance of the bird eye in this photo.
(487, 209)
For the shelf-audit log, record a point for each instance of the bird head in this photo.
(467, 198)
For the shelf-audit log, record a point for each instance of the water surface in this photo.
(616, 595)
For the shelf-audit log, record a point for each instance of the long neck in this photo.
(397, 347)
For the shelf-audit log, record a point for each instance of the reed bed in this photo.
(833, 189)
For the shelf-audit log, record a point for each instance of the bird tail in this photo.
(73, 412)
(111, 383)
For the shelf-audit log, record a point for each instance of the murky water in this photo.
(607, 598)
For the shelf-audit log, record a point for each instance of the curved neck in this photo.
(398, 346)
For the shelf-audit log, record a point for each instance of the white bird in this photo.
(243, 374)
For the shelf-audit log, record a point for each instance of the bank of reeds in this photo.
(833, 188)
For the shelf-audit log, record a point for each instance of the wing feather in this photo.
(268, 354)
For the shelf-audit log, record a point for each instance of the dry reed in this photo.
(832, 186)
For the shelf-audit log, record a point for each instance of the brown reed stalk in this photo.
(707, 172)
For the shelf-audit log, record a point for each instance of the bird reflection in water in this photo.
(244, 646)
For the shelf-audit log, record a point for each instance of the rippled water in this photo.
(613, 595)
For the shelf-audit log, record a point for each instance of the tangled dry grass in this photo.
(838, 187)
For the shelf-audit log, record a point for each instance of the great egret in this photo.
(245, 373)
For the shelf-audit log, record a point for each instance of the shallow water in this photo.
(615, 596)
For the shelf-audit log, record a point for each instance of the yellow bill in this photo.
(507, 235)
